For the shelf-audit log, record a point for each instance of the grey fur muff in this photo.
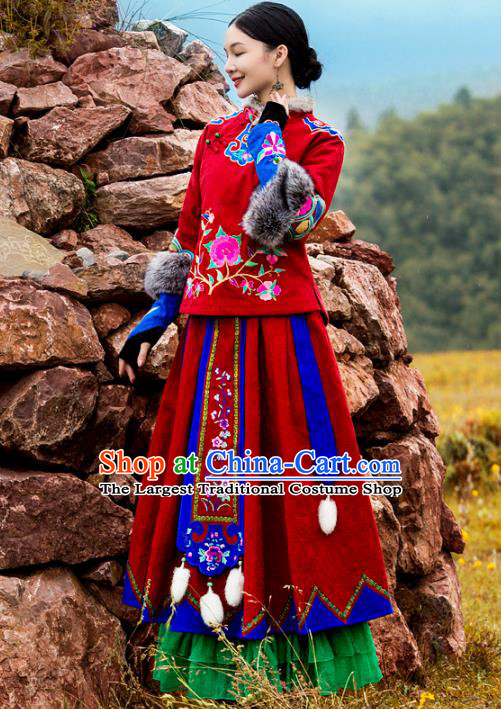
(273, 206)
(166, 272)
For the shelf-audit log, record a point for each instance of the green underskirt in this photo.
(332, 659)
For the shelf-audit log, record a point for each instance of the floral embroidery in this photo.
(220, 415)
(273, 145)
(175, 245)
(307, 217)
(254, 273)
(223, 409)
(214, 552)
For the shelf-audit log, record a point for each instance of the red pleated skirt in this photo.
(258, 386)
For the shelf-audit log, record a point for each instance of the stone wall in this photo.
(129, 107)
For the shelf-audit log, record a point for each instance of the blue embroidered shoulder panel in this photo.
(315, 125)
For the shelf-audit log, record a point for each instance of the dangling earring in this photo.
(278, 84)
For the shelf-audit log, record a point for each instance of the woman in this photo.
(255, 374)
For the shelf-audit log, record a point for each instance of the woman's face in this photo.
(248, 61)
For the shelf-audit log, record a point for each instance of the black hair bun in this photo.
(310, 69)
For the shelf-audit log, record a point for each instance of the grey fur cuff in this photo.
(273, 206)
(167, 272)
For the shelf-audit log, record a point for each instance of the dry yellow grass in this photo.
(461, 385)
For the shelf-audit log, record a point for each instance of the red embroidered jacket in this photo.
(231, 273)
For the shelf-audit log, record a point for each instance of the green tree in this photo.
(427, 190)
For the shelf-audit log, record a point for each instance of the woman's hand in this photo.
(284, 100)
(125, 367)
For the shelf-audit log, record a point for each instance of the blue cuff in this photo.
(163, 311)
(152, 326)
(267, 147)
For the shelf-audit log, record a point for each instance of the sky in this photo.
(410, 57)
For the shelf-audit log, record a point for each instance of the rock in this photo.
(419, 507)
(23, 250)
(103, 376)
(43, 328)
(88, 41)
(109, 425)
(58, 644)
(48, 517)
(101, 14)
(21, 69)
(42, 98)
(158, 240)
(452, 539)
(61, 278)
(105, 237)
(122, 283)
(197, 55)
(344, 345)
(359, 250)
(111, 599)
(144, 156)
(358, 382)
(335, 226)
(376, 320)
(123, 481)
(65, 239)
(389, 534)
(432, 609)
(200, 102)
(41, 198)
(399, 403)
(107, 573)
(44, 413)
(336, 303)
(396, 646)
(170, 38)
(119, 254)
(86, 102)
(427, 419)
(109, 317)
(64, 135)
(200, 58)
(150, 118)
(7, 93)
(356, 370)
(86, 256)
(139, 40)
(133, 77)
(322, 268)
(142, 204)
(6, 126)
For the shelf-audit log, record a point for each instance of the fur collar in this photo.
(303, 104)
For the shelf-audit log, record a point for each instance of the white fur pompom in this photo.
(179, 583)
(234, 587)
(327, 515)
(211, 607)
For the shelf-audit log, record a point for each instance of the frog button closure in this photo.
(215, 144)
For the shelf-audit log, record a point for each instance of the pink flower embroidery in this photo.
(268, 290)
(225, 247)
(273, 145)
(213, 554)
(305, 207)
